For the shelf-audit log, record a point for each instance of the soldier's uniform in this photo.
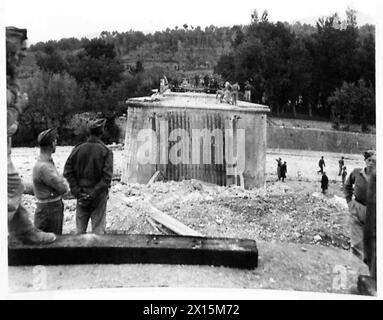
(89, 171)
(355, 191)
(48, 187)
(19, 224)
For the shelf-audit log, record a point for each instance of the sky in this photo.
(49, 19)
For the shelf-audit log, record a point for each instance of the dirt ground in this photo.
(302, 235)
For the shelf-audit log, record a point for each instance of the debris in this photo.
(317, 238)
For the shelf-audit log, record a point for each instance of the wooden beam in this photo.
(170, 223)
(122, 249)
(155, 177)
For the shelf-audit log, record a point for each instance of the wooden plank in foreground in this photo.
(124, 249)
(167, 221)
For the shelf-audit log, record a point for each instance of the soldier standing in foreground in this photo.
(89, 171)
(355, 191)
(48, 186)
(19, 224)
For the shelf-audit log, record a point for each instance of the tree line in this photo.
(324, 71)
(327, 71)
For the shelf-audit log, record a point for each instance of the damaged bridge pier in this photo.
(194, 136)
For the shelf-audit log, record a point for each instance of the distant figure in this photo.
(164, 85)
(321, 165)
(248, 88)
(324, 182)
(279, 164)
(341, 164)
(344, 175)
(227, 93)
(236, 89)
(19, 225)
(283, 171)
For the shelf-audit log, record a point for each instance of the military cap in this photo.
(368, 154)
(13, 32)
(46, 137)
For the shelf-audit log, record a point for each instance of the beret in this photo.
(46, 137)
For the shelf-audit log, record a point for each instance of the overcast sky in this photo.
(49, 19)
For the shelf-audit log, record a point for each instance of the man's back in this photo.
(89, 164)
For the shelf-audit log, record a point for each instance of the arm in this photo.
(70, 176)
(51, 178)
(349, 187)
(107, 173)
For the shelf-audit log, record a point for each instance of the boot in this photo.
(36, 236)
(366, 285)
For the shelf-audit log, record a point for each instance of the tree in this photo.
(97, 64)
(49, 60)
(53, 98)
(354, 103)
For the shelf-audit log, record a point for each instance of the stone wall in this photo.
(319, 140)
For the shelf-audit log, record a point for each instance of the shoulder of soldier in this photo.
(77, 147)
(356, 170)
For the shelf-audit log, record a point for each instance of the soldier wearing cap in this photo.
(355, 191)
(19, 225)
(48, 186)
(89, 171)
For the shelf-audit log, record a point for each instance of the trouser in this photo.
(96, 214)
(370, 227)
(18, 217)
(357, 222)
(49, 216)
(340, 171)
(247, 95)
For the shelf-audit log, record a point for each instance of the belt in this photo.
(49, 200)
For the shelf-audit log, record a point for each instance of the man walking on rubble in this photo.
(48, 186)
(19, 225)
(355, 191)
(321, 165)
(341, 164)
(89, 171)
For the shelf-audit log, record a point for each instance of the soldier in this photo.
(367, 284)
(89, 171)
(19, 224)
(48, 186)
(248, 88)
(321, 165)
(355, 191)
(283, 171)
(324, 183)
(236, 89)
(344, 175)
(279, 164)
(341, 164)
